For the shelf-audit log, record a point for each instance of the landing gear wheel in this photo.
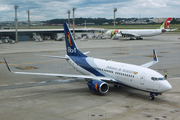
(151, 97)
(139, 38)
(131, 38)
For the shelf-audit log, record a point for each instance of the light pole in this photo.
(73, 22)
(28, 18)
(0, 25)
(115, 10)
(68, 18)
(16, 7)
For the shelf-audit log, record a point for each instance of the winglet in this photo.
(155, 55)
(8, 65)
(155, 60)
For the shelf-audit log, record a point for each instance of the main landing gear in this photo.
(131, 38)
(116, 86)
(139, 38)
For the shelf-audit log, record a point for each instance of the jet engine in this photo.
(98, 86)
(163, 30)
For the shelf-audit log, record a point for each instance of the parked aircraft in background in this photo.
(139, 33)
(99, 73)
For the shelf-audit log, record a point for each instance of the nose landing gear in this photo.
(152, 95)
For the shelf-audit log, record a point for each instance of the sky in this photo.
(42, 10)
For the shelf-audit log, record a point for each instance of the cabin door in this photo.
(142, 79)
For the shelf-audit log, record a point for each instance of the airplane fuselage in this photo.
(134, 33)
(143, 33)
(125, 74)
(139, 33)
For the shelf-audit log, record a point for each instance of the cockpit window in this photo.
(157, 79)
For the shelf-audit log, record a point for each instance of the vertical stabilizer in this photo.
(71, 47)
(166, 24)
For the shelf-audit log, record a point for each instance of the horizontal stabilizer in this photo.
(174, 29)
(86, 52)
(60, 57)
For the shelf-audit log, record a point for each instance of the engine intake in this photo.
(98, 86)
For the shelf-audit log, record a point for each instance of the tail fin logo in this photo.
(167, 23)
(96, 87)
(113, 32)
(69, 38)
(135, 73)
(154, 56)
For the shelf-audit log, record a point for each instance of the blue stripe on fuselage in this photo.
(81, 61)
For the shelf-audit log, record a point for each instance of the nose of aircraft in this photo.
(108, 32)
(166, 86)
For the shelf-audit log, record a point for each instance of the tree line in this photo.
(97, 21)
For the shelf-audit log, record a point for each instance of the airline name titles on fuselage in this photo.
(122, 70)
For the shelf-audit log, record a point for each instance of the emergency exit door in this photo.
(142, 79)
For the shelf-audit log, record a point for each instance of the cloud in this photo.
(46, 10)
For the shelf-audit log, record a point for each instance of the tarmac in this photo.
(56, 98)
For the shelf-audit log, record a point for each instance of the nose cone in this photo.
(108, 32)
(165, 86)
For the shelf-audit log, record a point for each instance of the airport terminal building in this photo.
(43, 34)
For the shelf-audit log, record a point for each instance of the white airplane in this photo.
(99, 73)
(138, 34)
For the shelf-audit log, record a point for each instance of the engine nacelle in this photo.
(98, 86)
(164, 30)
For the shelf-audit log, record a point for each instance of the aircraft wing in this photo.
(129, 34)
(62, 75)
(155, 60)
